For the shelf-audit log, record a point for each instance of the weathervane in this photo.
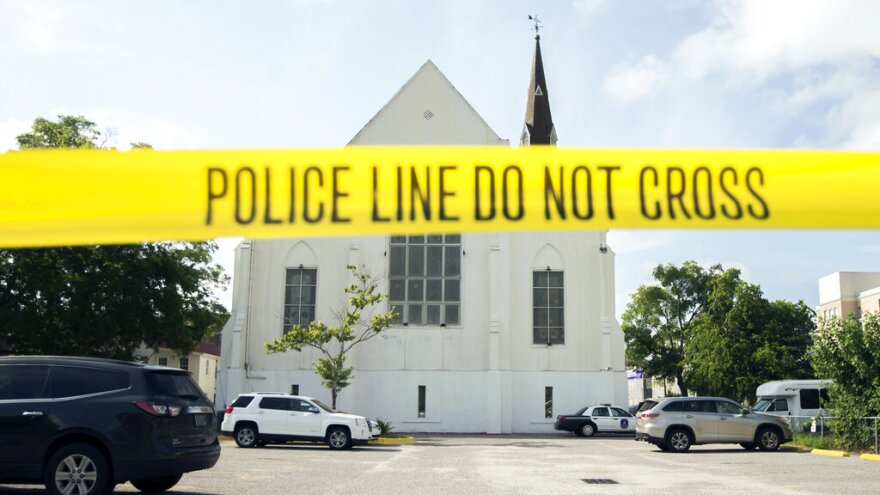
(537, 25)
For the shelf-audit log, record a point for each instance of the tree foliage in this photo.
(714, 333)
(104, 301)
(658, 321)
(848, 351)
(69, 132)
(357, 324)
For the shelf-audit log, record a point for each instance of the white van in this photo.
(799, 400)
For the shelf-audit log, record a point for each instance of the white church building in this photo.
(498, 332)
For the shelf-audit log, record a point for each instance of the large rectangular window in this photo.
(299, 297)
(425, 278)
(548, 296)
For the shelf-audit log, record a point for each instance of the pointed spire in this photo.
(539, 123)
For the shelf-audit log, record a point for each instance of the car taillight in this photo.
(560, 418)
(649, 414)
(158, 409)
(229, 410)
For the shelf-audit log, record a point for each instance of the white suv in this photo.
(257, 419)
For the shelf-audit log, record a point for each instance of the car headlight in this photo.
(359, 421)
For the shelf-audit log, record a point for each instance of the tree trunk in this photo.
(682, 388)
(333, 391)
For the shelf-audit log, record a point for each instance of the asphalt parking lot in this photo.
(452, 464)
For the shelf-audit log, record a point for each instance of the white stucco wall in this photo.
(484, 375)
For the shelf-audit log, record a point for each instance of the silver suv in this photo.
(677, 423)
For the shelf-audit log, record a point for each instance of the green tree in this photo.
(357, 324)
(714, 333)
(658, 321)
(744, 340)
(69, 132)
(104, 301)
(848, 351)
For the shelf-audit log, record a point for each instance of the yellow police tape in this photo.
(64, 197)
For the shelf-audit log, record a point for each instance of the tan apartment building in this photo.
(845, 293)
(202, 363)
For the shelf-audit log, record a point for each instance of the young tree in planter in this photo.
(335, 342)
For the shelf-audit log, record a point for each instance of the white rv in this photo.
(799, 400)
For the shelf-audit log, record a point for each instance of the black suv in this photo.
(82, 425)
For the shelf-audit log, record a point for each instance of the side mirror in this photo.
(314, 410)
(746, 412)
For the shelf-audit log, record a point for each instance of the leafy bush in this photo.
(848, 351)
(385, 427)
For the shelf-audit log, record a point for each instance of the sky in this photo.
(633, 74)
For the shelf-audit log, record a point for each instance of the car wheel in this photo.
(679, 440)
(588, 430)
(749, 445)
(78, 469)
(338, 438)
(246, 436)
(152, 485)
(768, 439)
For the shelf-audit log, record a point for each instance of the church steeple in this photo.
(538, 127)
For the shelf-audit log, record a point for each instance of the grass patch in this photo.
(394, 435)
(815, 441)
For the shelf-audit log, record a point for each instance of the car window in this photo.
(780, 405)
(725, 407)
(73, 381)
(299, 405)
(620, 413)
(275, 403)
(175, 384)
(581, 411)
(677, 406)
(242, 401)
(648, 404)
(809, 398)
(600, 411)
(24, 382)
(699, 406)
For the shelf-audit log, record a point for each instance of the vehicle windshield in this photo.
(324, 406)
(580, 411)
(648, 404)
(762, 405)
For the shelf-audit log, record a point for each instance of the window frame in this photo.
(548, 308)
(442, 304)
(285, 326)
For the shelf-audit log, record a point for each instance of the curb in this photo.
(870, 457)
(795, 448)
(830, 453)
(406, 440)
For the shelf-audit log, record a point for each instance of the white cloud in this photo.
(829, 49)
(629, 82)
(9, 130)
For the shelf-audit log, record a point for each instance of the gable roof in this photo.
(427, 110)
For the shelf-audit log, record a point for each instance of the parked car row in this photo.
(676, 423)
(82, 426)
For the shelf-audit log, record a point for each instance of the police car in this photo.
(603, 418)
